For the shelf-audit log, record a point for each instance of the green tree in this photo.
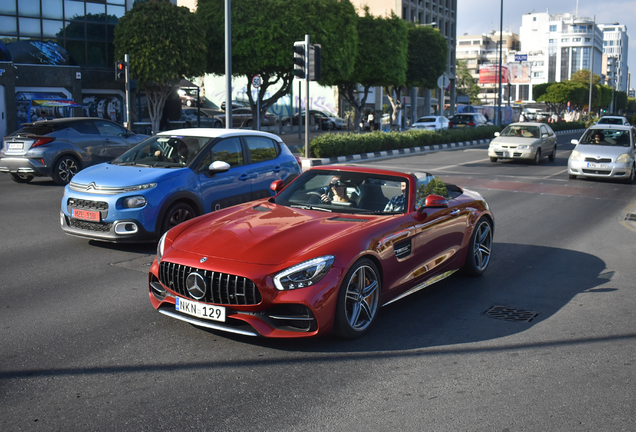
(264, 32)
(165, 42)
(466, 84)
(427, 55)
(539, 90)
(381, 59)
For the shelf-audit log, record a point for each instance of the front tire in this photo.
(64, 169)
(21, 178)
(479, 249)
(537, 157)
(493, 159)
(553, 154)
(177, 213)
(358, 300)
(632, 176)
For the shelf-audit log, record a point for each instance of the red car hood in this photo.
(265, 233)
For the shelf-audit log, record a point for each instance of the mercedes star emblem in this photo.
(195, 285)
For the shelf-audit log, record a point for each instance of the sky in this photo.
(477, 17)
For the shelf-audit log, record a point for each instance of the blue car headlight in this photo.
(140, 187)
(304, 274)
(134, 201)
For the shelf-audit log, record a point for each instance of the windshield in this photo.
(521, 131)
(346, 192)
(164, 151)
(606, 137)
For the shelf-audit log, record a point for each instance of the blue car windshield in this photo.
(164, 151)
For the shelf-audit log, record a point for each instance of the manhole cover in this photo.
(508, 313)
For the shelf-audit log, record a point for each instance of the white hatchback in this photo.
(604, 151)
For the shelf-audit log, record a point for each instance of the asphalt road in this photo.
(82, 349)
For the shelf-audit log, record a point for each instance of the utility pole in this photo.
(128, 114)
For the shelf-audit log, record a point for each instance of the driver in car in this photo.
(337, 191)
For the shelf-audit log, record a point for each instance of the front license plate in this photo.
(86, 215)
(15, 146)
(597, 166)
(506, 154)
(201, 310)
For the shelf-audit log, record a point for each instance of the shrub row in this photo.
(351, 143)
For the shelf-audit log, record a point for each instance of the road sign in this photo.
(521, 57)
(443, 81)
(257, 81)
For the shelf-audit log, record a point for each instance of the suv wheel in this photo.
(64, 169)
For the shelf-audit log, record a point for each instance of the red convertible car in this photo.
(322, 255)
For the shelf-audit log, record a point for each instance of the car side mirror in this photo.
(433, 201)
(574, 141)
(218, 167)
(497, 134)
(276, 186)
(545, 135)
(627, 124)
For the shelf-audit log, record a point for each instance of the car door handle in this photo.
(244, 177)
(277, 168)
(455, 212)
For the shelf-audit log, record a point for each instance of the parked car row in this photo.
(318, 120)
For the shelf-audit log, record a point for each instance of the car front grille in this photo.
(82, 204)
(221, 288)
(597, 172)
(600, 160)
(89, 226)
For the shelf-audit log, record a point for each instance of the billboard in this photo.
(488, 74)
(519, 73)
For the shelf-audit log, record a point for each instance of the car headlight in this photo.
(624, 158)
(134, 201)
(524, 146)
(160, 246)
(304, 274)
(575, 155)
(140, 187)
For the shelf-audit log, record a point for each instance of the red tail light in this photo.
(450, 125)
(42, 141)
(470, 124)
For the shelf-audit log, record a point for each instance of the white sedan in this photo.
(435, 123)
(530, 141)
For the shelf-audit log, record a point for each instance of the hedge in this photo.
(351, 143)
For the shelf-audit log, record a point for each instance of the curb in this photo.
(311, 162)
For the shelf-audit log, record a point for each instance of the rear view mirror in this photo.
(574, 141)
(276, 186)
(497, 134)
(433, 201)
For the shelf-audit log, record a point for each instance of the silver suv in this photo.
(60, 148)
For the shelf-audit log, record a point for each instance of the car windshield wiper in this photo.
(380, 212)
(306, 207)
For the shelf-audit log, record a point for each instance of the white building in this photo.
(615, 45)
(559, 45)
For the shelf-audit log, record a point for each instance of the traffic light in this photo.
(120, 71)
(314, 62)
(300, 56)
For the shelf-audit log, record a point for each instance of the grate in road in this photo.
(630, 217)
(508, 313)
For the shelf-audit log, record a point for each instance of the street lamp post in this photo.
(498, 114)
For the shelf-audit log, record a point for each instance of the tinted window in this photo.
(229, 150)
(261, 149)
(84, 127)
(106, 129)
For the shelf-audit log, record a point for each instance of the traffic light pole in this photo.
(128, 116)
(306, 95)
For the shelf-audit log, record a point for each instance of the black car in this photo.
(468, 120)
(318, 120)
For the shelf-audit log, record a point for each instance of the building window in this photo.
(553, 28)
(565, 40)
(576, 40)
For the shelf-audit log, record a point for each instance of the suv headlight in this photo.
(140, 187)
(624, 158)
(304, 274)
(575, 155)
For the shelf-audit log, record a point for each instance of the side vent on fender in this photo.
(402, 248)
